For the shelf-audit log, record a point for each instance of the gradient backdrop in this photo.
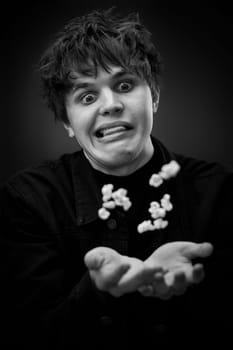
(195, 116)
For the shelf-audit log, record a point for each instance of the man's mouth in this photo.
(112, 129)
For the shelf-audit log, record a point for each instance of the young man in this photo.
(106, 247)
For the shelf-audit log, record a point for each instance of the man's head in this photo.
(98, 39)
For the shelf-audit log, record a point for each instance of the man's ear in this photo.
(156, 101)
(69, 130)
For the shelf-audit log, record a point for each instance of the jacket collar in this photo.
(88, 198)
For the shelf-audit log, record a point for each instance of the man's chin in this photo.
(112, 162)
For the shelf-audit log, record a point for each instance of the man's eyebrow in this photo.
(122, 73)
(83, 85)
(80, 85)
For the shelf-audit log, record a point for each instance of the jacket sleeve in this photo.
(36, 307)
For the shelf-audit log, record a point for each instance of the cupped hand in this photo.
(168, 271)
(116, 273)
(180, 272)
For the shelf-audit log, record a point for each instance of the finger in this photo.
(160, 285)
(116, 292)
(93, 260)
(198, 250)
(160, 291)
(180, 282)
(131, 280)
(151, 274)
(193, 273)
(198, 273)
(108, 276)
(146, 290)
(151, 291)
(163, 296)
(95, 257)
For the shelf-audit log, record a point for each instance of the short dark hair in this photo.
(99, 38)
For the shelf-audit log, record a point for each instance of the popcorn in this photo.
(157, 213)
(103, 213)
(107, 192)
(160, 224)
(145, 226)
(119, 196)
(169, 170)
(154, 205)
(156, 180)
(112, 199)
(165, 202)
(157, 210)
(126, 204)
(109, 204)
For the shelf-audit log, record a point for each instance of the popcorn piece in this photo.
(160, 224)
(103, 213)
(169, 170)
(145, 226)
(126, 204)
(122, 192)
(155, 180)
(109, 205)
(154, 205)
(107, 192)
(164, 223)
(157, 213)
(120, 198)
(165, 202)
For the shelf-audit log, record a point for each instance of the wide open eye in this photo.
(88, 98)
(125, 86)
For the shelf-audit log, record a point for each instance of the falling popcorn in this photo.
(103, 213)
(165, 202)
(145, 226)
(160, 224)
(112, 199)
(157, 210)
(169, 170)
(156, 180)
(107, 192)
(109, 204)
(157, 213)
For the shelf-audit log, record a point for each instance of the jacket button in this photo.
(160, 328)
(112, 224)
(106, 321)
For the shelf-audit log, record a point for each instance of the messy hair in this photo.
(97, 39)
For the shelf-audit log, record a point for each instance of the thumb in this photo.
(199, 250)
(94, 259)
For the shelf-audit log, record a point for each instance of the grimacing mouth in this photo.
(112, 128)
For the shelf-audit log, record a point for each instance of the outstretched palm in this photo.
(176, 259)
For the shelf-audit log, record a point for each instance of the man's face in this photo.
(111, 116)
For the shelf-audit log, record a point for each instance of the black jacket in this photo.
(49, 221)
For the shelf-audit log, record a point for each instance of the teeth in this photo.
(112, 130)
(109, 131)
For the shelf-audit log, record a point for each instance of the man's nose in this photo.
(110, 103)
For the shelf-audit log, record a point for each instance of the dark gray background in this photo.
(195, 116)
